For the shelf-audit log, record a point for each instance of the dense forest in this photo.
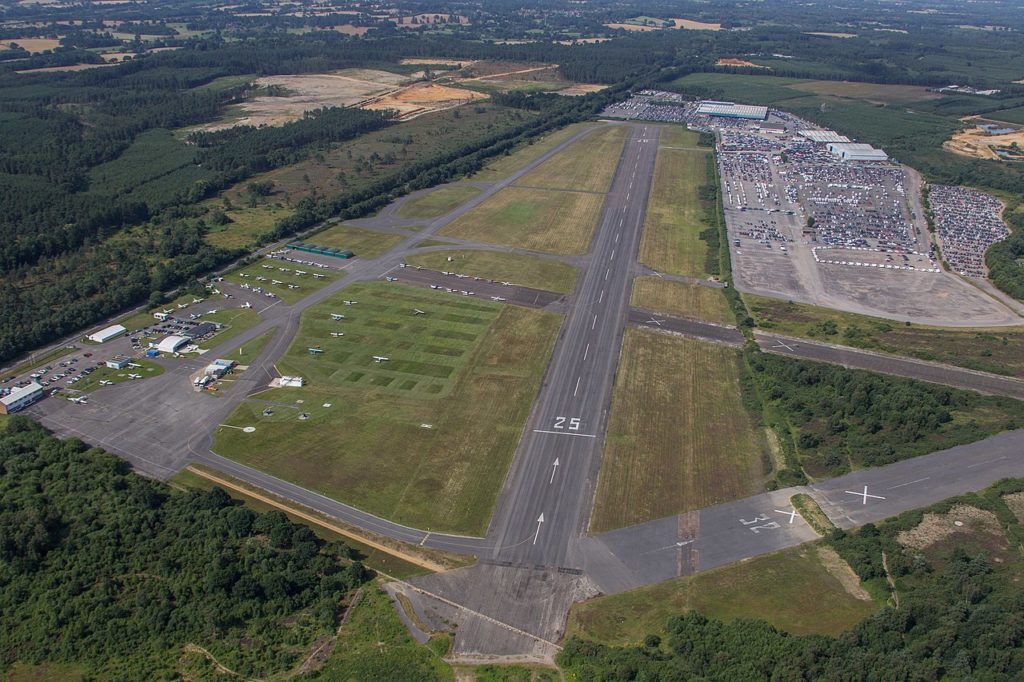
(955, 616)
(116, 573)
(837, 419)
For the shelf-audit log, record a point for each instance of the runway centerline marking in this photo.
(594, 323)
(606, 273)
(909, 483)
(576, 390)
(586, 351)
(566, 433)
(988, 461)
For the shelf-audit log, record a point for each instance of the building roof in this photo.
(171, 344)
(107, 333)
(20, 392)
(732, 109)
(823, 136)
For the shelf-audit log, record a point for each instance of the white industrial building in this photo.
(171, 344)
(292, 382)
(733, 110)
(823, 136)
(118, 363)
(107, 334)
(218, 368)
(856, 151)
(21, 397)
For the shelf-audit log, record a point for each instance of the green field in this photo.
(586, 165)
(364, 243)
(246, 226)
(679, 437)
(147, 369)
(235, 321)
(527, 271)
(675, 218)
(678, 136)
(438, 202)
(270, 270)
(998, 350)
(413, 439)
(247, 354)
(796, 590)
(504, 166)
(1015, 115)
(557, 222)
(681, 298)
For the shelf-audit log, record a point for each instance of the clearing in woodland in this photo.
(675, 218)
(679, 436)
(414, 438)
(542, 220)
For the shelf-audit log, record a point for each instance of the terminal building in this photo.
(108, 334)
(855, 151)
(20, 398)
(733, 110)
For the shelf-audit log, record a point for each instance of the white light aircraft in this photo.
(380, 358)
(104, 382)
(79, 400)
(350, 302)
(417, 311)
(337, 316)
(337, 335)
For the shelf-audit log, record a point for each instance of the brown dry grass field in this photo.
(732, 61)
(671, 241)
(364, 243)
(36, 45)
(552, 221)
(804, 590)
(682, 299)
(679, 437)
(423, 98)
(588, 164)
(869, 92)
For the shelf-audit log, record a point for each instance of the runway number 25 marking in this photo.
(574, 423)
(760, 518)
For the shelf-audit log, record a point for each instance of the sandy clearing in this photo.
(842, 572)
(69, 67)
(974, 143)
(581, 89)
(350, 30)
(828, 34)
(439, 60)
(422, 98)
(495, 76)
(732, 61)
(937, 527)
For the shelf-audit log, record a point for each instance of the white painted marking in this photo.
(565, 433)
(909, 483)
(586, 351)
(594, 323)
(616, 237)
(601, 297)
(864, 495)
(424, 540)
(606, 273)
(791, 514)
(612, 257)
(627, 196)
(540, 520)
(576, 390)
(989, 461)
(260, 312)
(554, 468)
(783, 345)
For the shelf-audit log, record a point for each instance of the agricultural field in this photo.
(527, 271)
(675, 218)
(437, 203)
(804, 590)
(587, 165)
(362, 242)
(1015, 115)
(682, 299)
(412, 438)
(999, 350)
(870, 92)
(679, 436)
(542, 220)
(270, 270)
(504, 166)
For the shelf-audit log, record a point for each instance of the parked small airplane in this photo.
(80, 400)
(417, 311)
(134, 376)
(247, 305)
(104, 382)
(508, 284)
(276, 281)
(337, 335)
(497, 298)
(134, 364)
(168, 311)
(350, 302)
(182, 305)
(196, 301)
(380, 358)
(337, 316)
(391, 279)
(317, 276)
(300, 273)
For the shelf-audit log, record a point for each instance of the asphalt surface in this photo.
(982, 382)
(707, 331)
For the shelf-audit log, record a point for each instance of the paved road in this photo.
(936, 373)
(569, 416)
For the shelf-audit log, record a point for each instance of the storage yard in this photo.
(968, 222)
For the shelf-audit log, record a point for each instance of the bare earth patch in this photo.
(582, 89)
(732, 61)
(842, 572)
(1015, 501)
(36, 45)
(975, 143)
(423, 98)
(935, 528)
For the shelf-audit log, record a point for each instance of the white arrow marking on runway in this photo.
(536, 535)
(791, 514)
(783, 345)
(654, 321)
(554, 468)
(864, 495)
